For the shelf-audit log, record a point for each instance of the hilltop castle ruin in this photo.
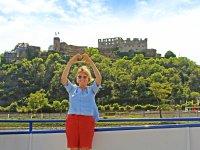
(108, 45)
(64, 48)
(24, 50)
(21, 50)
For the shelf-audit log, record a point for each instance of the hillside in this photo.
(125, 80)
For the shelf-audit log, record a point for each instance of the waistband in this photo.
(77, 115)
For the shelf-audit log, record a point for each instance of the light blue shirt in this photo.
(82, 102)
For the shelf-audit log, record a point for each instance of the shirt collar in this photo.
(78, 89)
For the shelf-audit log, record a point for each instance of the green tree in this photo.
(116, 106)
(65, 104)
(13, 107)
(161, 92)
(36, 101)
(169, 54)
(195, 96)
(194, 80)
(57, 106)
(91, 51)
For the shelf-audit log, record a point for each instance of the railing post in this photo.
(188, 138)
(30, 126)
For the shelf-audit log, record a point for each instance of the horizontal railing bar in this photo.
(28, 121)
(149, 119)
(147, 127)
(31, 122)
(48, 131)
(115, 120)
(103, 129)
(15, 132)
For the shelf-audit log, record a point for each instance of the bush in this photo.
(150, 107)
(1, 109)
(13, 107)
(178, 107)
(107, 108)
(138, 107)
(7, 109)
(183, 106)
(101, 108)
(189, 104)
(22, 109)
(47, 108)
(116, 107)
(166, 107)
(128, 108)
(122, 108)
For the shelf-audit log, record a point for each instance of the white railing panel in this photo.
(14, 142)
(195, 138)
(151, 139)
(50, 141)
(144, 139)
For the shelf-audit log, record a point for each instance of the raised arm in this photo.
(65, 73)
(94, 68)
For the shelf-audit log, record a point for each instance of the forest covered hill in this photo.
(126, 81)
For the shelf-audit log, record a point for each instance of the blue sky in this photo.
(168, 24)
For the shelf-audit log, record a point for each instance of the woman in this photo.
(83, 111)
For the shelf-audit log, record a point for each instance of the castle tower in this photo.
(56, 44)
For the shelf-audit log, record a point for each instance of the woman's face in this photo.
(82, 79)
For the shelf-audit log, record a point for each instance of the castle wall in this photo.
(21, 50)
(9, 57)
(109, 44)
(75, 51)
(134, 45)
(22, 53)
(56, 44)
(150, 53)
(69, 50)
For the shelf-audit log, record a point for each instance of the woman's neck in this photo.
(83, 86)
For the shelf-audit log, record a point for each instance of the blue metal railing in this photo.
(31, 131)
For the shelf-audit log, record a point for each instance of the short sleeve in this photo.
(69, 86)
(95, 87)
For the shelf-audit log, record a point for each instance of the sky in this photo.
(167, 24)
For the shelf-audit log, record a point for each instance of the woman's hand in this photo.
(95, 70)
(87, 59)
(75, 58)
(65, 73)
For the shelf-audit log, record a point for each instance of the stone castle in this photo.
(64, 48)
(21, 50)
(106, 47)
(24, 50)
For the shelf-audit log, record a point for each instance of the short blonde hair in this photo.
(87, 71)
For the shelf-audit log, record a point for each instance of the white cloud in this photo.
(27, 7)
(83, 22)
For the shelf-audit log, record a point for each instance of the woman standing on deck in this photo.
(83, 111)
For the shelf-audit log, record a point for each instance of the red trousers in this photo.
(79, 131)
